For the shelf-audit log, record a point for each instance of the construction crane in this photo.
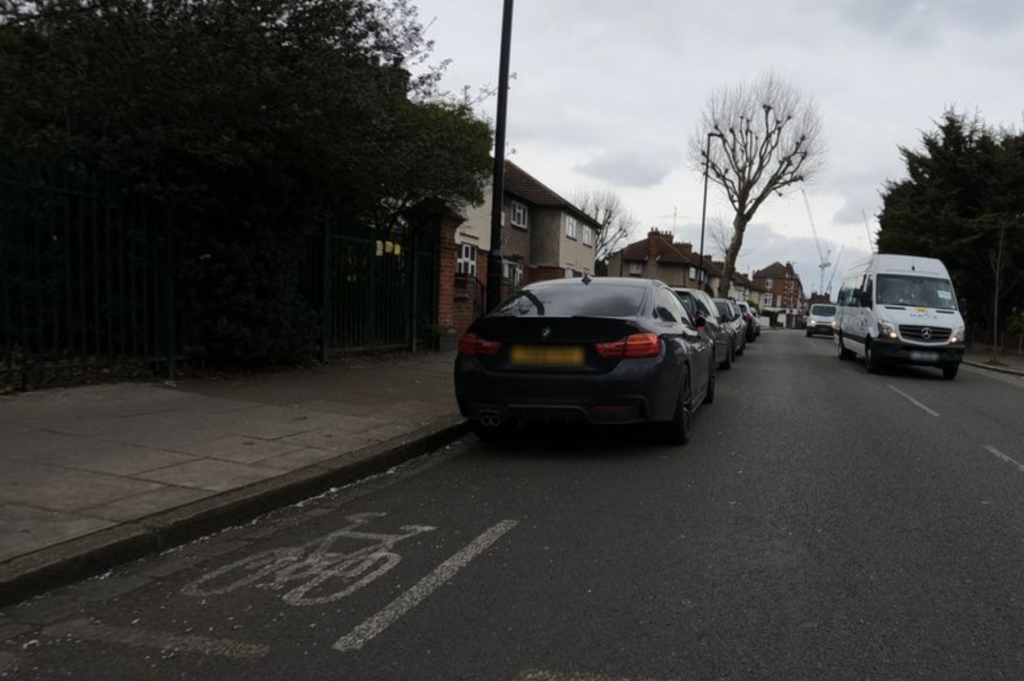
(822, 255)
(871, 244)
(828, 289)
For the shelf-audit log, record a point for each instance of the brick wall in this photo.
(469, 294)
(544, 274)
(446, 257)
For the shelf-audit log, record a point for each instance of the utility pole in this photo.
(495, 259)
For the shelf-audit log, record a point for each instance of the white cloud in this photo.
(608, 92)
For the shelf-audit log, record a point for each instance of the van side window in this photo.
(851, 292)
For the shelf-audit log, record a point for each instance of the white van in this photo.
(900, 308)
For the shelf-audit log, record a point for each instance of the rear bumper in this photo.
(635, 391)
(924, 355)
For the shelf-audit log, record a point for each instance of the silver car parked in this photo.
(731, 318)
(699, 304)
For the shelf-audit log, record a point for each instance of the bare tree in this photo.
(720, 234)
(763, 137)
(605, 207)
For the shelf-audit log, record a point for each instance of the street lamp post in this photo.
(495, 260)
(704, 209)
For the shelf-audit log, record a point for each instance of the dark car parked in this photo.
(699, 304)
(731, 318)
(598, 351)
(753, 323)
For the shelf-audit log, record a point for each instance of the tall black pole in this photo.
(704, 213)
(494, 260)
(701, 278)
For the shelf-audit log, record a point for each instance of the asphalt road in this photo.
(823, 523)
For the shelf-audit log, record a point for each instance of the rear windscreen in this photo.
(594, 300)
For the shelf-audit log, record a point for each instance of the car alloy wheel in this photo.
(678, 429)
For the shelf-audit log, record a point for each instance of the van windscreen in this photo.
(915, 291)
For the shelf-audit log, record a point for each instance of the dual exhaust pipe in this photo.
(490, 420)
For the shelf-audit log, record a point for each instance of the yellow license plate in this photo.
(546, 356)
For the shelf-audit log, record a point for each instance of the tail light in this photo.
(631, 347)
(472, 345)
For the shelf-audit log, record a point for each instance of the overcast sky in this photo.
(606, 94)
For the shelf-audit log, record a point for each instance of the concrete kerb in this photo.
(27, 576)
(1002, 370)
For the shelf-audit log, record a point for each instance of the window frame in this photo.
(572, 227)
(523, 211)
(512, 272)
(467, 265)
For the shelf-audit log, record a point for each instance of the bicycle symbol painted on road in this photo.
(314, 573)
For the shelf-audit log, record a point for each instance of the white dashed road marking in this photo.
(134, 636)
(913, 401)
(1013, 462)
(363, 633)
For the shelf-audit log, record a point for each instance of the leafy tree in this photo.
(249, 122)
(961, 202)
(763, 137)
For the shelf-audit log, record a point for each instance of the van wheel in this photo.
(843, 353)
(949, 371)
(870, 358)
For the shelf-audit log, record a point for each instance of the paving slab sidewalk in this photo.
(1006, 362)
(96, 475)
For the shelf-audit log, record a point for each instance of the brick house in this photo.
(781, 287)
(543, 236)
(659, 257)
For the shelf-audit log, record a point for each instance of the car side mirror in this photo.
(700, 322)
(962, 304)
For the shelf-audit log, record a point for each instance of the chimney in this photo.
(686, 247)
(652, 249)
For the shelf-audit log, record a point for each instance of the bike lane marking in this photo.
(87, 630)
(366, 631)
(313, 563)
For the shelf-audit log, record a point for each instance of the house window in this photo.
(588, 236)
(636, 268)
(466, 263)
(514, 274)
(768, 300)
(520, 214)
(569, 273)
(768, 282)
(572, 227)
(693, 273)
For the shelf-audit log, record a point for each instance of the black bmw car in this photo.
(592, 350)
